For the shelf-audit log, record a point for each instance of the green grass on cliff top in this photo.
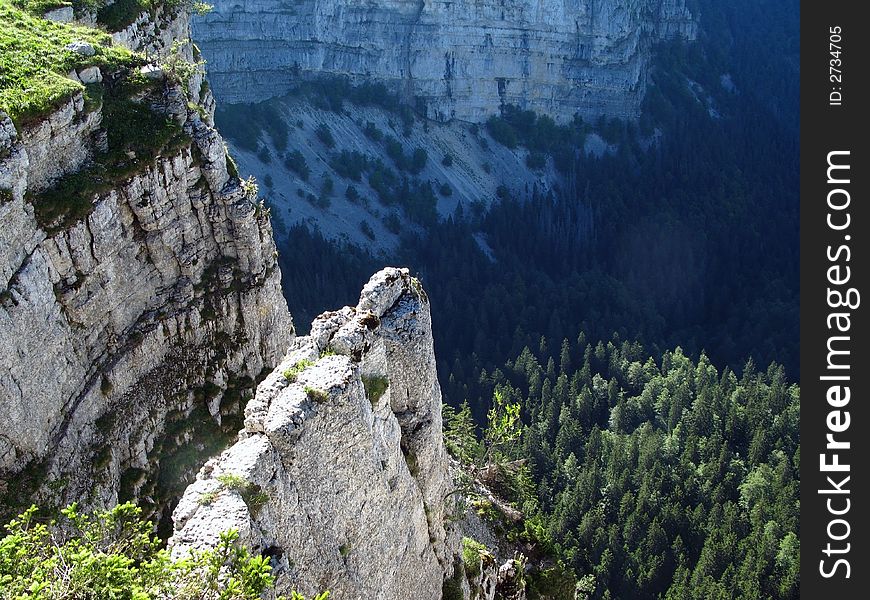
(34, 62)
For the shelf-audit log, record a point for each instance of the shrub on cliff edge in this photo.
(114, 554)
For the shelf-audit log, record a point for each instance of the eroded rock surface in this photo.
(345, 487)
(462, 59)
(130, 334)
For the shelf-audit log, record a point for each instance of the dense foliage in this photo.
(654, 480)
(113, 554)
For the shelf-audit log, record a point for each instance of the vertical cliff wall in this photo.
(461, 59)
(140, 295)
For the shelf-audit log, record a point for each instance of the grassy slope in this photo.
(34, 62)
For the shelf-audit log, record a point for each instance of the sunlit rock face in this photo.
(342, 482)
(461, 59)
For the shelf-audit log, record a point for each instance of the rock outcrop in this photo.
(131, 333)
(340, 475)
(460, 59)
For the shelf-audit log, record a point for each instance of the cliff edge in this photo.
(140, 295)
(461, 60)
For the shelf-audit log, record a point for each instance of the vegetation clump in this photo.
(316, 395)
(36, 61)
(250, 492)
(246, 124)
(375, 386)
(542, 136)
(473, 555)
(293, 372)
(295, 161)
(325, 135)
(136, 136)
(114, 554)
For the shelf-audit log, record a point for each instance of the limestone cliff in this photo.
(461, 59)
(139, 294)
(342, 446)
(340, 475)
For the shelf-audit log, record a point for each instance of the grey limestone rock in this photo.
(462, 59)
(81, 47)
(354, 488)
(126, 333)
(63, 14)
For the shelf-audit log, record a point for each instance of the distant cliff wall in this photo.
(462, 59)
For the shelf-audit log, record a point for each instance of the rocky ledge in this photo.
(340, 474)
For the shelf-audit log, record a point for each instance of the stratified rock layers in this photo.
(121, 332)
(462, 59)
(345, 487)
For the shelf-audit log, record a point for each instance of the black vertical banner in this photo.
(835, 374)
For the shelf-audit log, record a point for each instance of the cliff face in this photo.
(131, 329)
(340, 474)
(461, 59)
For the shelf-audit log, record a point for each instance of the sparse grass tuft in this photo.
(208, 497)
(316, 395)
(375, 386)
(251, 493)
(237, 483)
(293, 372)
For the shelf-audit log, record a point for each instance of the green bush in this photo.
(418, 160)
(395, 151)
(114, 554)
(352, 194)
(325, 135)
(502, 132)
(296, 162)
(350, 165)
(372, 132)
(327, 187)
(473, 553)
(121, 13)
(39, 7)
(367, 230)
